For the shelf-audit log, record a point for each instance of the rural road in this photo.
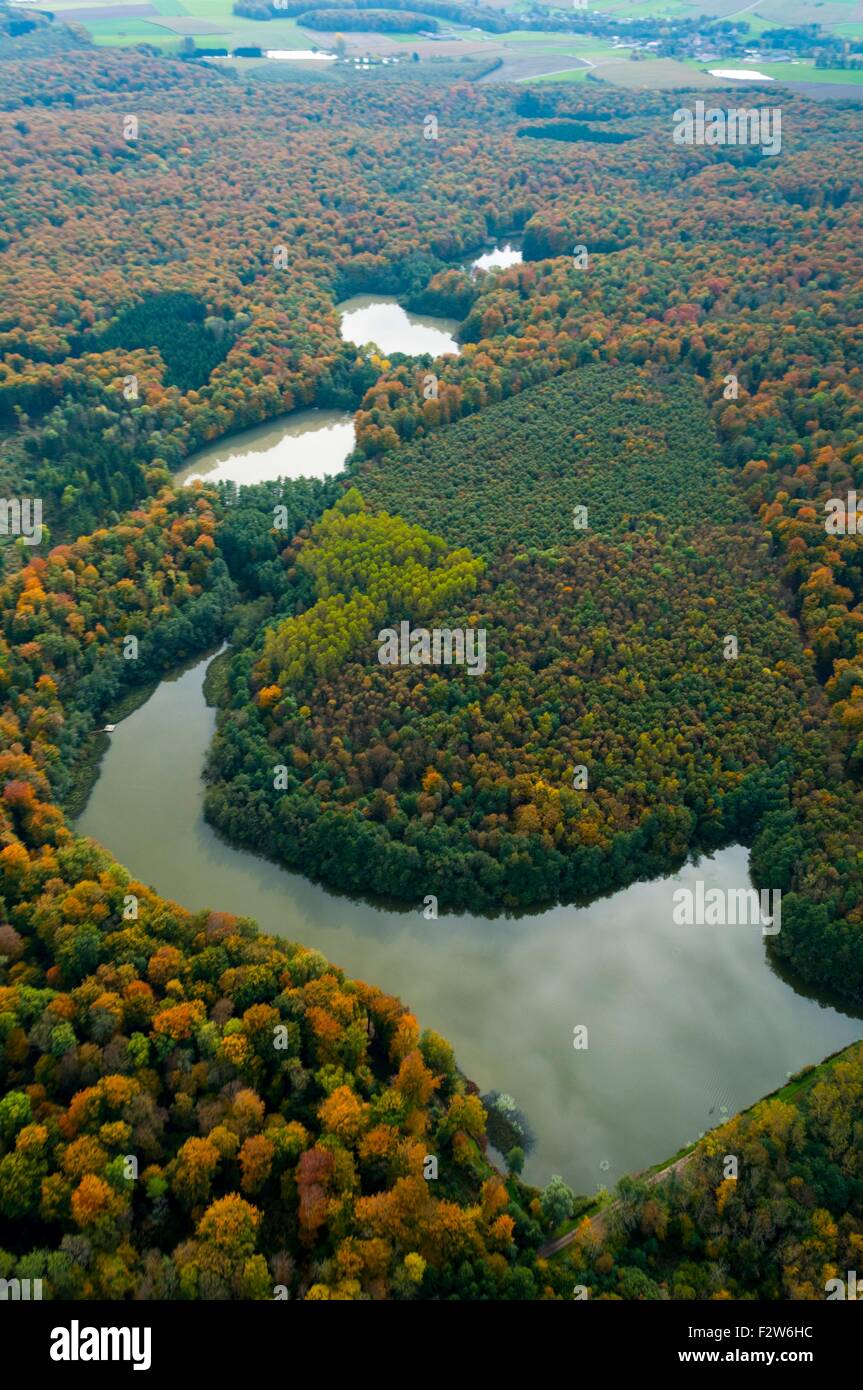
(597, 1223)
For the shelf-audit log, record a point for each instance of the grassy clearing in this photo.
(675, 9)
(542, 38)
(807, 72)
(234, 31)
(279, 33)
(631, 8)
(656, 74)
(783, 73)
(577, 44)
(829, 12)
(212, 9)
(569, 75)
(109, 33)
(758, 25)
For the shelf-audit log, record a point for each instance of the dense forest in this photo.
(189, 1109)
(627, 463)
(132, 1029)
(366, 14)
(605, 517)
(425, 780)
(781, 1222)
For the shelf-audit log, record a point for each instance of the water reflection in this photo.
(499, 257)
(380, 319)
(307, 444)
(684, 1024)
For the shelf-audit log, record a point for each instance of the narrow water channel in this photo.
(686, 1024)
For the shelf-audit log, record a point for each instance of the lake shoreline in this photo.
(444, 325)
(505, 996)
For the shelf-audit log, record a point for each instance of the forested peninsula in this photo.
(631, 459)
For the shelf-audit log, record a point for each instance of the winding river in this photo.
(685, 1024)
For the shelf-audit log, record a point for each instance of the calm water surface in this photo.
(314, 443)
(306, 443)
(498, 257)
(685, 1024)
(380, 319)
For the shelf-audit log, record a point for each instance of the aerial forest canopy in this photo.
(583, 486)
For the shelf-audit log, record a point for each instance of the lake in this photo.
(381, 319)
(306, 443)
(313, 443)
(686, 1024)
(498, 257)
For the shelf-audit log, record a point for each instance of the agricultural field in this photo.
(807, 72)
(782, 74)
(165, 23)
(517, 54)
(566, 75)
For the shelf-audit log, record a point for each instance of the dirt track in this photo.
(597, 1223)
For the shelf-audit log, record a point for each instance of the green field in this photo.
(757, 25)
(545, 39)
(119, 31)
(634, 8)
(230, 31)
(792, 72)
(656, 74)
(568, 75)
(589, 49)
(220, 28)
(807, 72)
(676, 9)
